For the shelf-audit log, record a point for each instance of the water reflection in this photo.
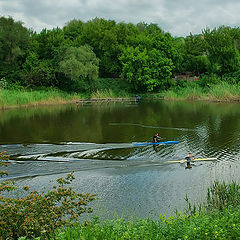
(95, 141)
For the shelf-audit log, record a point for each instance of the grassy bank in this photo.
(107, 88)
(222, 91)
(218, 218)
(218, 225)
(15, 98)
(109, 93)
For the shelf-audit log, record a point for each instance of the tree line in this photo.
(72, 58)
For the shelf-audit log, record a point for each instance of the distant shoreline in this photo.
(10, 99)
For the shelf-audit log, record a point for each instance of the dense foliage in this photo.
(39, 214)
(218, 225)
(72, 58)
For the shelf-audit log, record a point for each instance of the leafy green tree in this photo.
(196, 64)
(14, 42)
(73, 29)
(80, 67)
(222, 49)
(195, 45)
(41, 65)
(148, 60)
(37, 72)
(146, 70)
(47, 42)
(102, 36)
(179, 49)
(124, 31)
(195, 58)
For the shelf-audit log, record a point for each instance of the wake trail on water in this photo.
(69, 151)
(48, 159)
(36, 160)
(155, 127)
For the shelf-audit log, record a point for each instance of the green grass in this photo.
(13, 98)
(217, 225)
(107, 88)
(222, 91)
(112, 88)
(108, 93)
(115, 88)
(225, 91)
(117, 85)
(217, 219)
(187, 93)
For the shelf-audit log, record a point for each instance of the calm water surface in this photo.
(95, 141)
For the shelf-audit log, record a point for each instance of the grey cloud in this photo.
(179, 17)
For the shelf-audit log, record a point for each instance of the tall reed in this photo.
(13, 98)
(222, 91)
(109, 93)
(193, 92)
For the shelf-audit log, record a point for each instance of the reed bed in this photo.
(14, 98)
(109, 93)
(18, 98)
(222, 91)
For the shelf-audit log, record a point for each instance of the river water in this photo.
(96, 142)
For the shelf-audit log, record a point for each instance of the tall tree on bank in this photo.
(146, 70)
(41, 66)
(147, 61)
(106, 37)
(222, 50)
(73, 30)
(101, 35)
(14, 42)
(195, 56)
(80, 68)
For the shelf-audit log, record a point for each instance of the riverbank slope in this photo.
(222, 91)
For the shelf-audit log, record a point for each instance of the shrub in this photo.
(40, 214)
(206, 81)
(222, 195)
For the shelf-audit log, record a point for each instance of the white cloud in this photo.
(179, 17)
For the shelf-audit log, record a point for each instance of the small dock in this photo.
(100, 100)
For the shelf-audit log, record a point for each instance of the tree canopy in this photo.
(80, 66)
(73, 57)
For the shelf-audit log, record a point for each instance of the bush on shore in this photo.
(39, 214)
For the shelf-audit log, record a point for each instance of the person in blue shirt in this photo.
(137, 97)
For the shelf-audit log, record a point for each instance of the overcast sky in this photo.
(179, 17)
